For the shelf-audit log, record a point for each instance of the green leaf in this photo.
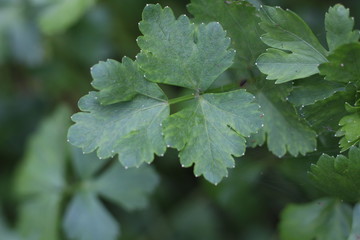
(350, 130)
(240, 20)
(39, 217)
(120, 128)
(119, 82)
(127, 187)
(284, 130)
(87, 219)
(355, 229)
(324, 219)
(85, 165)
(211, 130)
(309, 91)
(327, 121)
(50, 159)
(52, 20)
(343, 65)
(339, 176)
(295, 53)
(178, 52)
(339, 27)
(42, 190)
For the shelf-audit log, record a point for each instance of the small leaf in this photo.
(211, 130)
(343, 65)
(119, 82)
(309, 91)
(324, 219)
(52, 20)
(339, 176)
(178, 52)
(118, 128)
(51, 159)
(31, 226)
(240, 19)
(87, 219)
(350, 130)
(127, 187)
(339, 27)
(296, 51)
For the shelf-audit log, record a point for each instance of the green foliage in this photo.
(244, 36)
(343, 64)
(339, 176)
(295, 53)
(85, 216)
(339, 27)
(324, 219)
(177, 52)
(197, 92)
(212, 129)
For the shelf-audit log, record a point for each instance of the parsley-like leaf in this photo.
(178, 52)
(120, 128)
(343, 65)
(212, 129)
(240, 20)
(295, 53)
(339, 27)
(119, 82)
(339, 176)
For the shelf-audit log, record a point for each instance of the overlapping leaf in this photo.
(119, 82)
(313, 89)
(324, 219)
(339, 176)
(211, 130)
(327, 121)
(343, 65)
(339, 27)
(283, 129)
(295, 53)
(121, 128)
(240, 20)
(349, 131)
(177, 52)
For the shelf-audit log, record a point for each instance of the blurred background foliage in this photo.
(46, 50)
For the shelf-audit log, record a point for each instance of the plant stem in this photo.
(181, 99)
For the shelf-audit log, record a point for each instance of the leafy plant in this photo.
(237, 75)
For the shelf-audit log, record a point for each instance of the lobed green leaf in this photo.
(339, 27)
(240, 19)
(343, 65)
(339, 176)
(178, 52)
(296, 51)
(120, 128)
(211, 130)
(120, 82)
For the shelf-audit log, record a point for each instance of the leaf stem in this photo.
(181, 99)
